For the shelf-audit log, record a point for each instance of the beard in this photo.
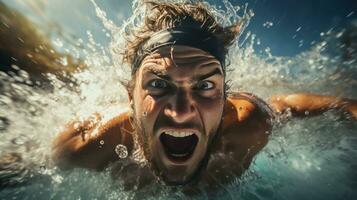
(143, 140)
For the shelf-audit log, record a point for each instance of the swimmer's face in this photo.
(178, 102)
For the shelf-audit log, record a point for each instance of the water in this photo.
(306, 158)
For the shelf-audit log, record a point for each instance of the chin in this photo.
(177, 179)
(177, 174)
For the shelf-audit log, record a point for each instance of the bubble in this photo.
(121, 151)
(101, 142)
(268, 24)
(19, 140)
(307, 112)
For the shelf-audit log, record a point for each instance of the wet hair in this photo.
(161, 16)
(169, 15)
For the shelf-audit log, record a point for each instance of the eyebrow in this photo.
(159, 73)
(216, 71)
(165, 76)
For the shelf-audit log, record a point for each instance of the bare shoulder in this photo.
(91, 143)
(243, 107)
(245, 130)
(247, 123)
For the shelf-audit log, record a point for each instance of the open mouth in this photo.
(179, 145)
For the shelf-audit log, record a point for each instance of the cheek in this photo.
(143, 104)
(213, 103)
(149, 111)
(211, 111)
(148, 106)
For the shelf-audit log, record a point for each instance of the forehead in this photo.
(178, 60)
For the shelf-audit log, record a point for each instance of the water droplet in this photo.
(268, 24)
(58, 42)
(268, 121)
(77, 126)
(63, 61)
(20, 140)
(121, 151)
(101, 142)
(42, 168)
(15, 67)
(145, 114)
(350, 14)
(57, 179)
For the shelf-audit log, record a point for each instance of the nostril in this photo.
(192, 108)
(180, 116)
(180, 107)
(169, 107)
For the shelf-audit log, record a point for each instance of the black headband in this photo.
(182, 35)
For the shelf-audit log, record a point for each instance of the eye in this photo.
(204, 85)
(158, 83)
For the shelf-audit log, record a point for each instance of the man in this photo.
(183, 120)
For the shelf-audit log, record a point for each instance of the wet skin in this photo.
(182, 89)
(179, 89)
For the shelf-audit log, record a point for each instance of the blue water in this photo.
(306, 158)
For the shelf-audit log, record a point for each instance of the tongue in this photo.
(178, 145)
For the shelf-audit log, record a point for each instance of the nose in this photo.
(181, 107)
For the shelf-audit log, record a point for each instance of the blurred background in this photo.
(287, 28)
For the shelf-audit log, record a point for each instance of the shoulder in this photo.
(118, 129)
(121, 121)
(92, 142)
(243, 107)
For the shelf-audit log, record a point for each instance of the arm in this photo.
(91, 144)
(302, 103)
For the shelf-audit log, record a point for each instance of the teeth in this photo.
(178, 133)
(179, 155)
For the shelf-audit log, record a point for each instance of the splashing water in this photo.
(306, 158)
